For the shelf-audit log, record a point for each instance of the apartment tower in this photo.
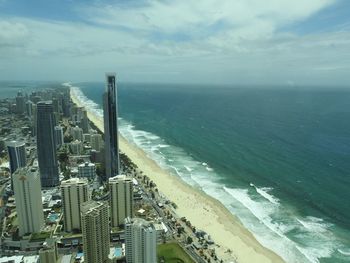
(121, 199)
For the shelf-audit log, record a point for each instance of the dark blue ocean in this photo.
(277, 157)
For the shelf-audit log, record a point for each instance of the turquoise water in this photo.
(278, 158)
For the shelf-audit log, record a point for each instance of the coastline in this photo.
(202, 210)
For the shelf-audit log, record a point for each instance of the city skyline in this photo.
(241, 42)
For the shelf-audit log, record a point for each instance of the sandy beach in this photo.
(203, 211)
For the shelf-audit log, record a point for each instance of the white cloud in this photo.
(230, 41)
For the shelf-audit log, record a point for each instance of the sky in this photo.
(279, 42)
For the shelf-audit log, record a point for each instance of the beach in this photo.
(203, 211)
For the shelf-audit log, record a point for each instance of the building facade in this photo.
(95, 228)
(87, 170)
(27, 189)
(17, 156)
(121, 199)
(74, 192)
(59, 139)
(140, 241)
(46, 145)
(110, 117)
(96, 141)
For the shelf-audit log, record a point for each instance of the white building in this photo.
(96, 141)
(96, 234)
(77, 133)
(140, 241)
(74, 192)
(29, 207)
(121, 199)
(87, 170)
(76, 147)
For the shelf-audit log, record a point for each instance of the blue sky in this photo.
(228, 41)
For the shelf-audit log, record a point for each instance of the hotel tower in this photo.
(110, 116)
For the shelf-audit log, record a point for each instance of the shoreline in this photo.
(204, 211)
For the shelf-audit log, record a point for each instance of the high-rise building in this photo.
(84, 122)
(59, 139)
(20, 103)
(121, 199)
(76, 147)
(47, 158)
(27, 189)
(95, 228)
(110, 117)
(74, 192)
(29, 108)
(96, 141)
(77, 133)
(140, 241)
(17, 156)
(34, 120)
(87, 170)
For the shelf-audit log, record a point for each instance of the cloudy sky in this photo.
(283, 42)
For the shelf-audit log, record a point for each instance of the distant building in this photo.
(76, 147)
(74, 192)
(140, 241)
(86, 137)
(59, 139)
(84, 121)
(96, 234)
(17, 156)
(87, 170)
(29, 108)
(20, 103)
(34, 120)
(27, 189)
(77, 133)
(96, 141)
(121, 199)
(110, 117)
(47, 158)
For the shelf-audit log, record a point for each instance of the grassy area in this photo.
(36, 237)
(173, 253)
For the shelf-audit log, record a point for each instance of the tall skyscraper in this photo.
(121, 199)
(74, 192)
(17, 156)
(84, 121)
(110, 117)
(29, 108)
(46, 145)
(27, 189)
(95, 228)
(140, 241)
(96, 141)
(20, 103)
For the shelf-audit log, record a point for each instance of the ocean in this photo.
(277, 157)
